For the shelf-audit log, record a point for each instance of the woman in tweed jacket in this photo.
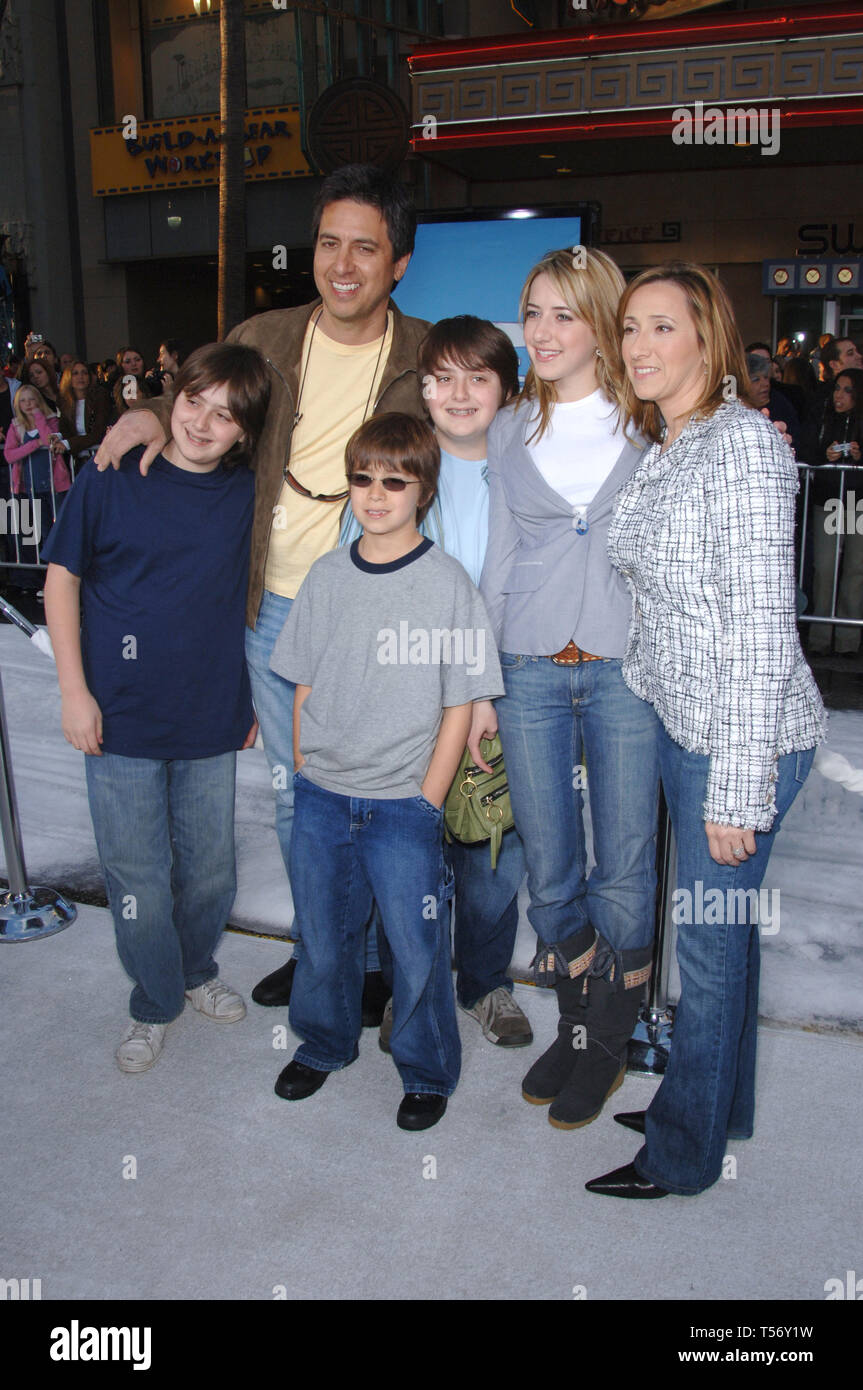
(704, 534)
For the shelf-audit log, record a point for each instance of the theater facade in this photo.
(727, 133)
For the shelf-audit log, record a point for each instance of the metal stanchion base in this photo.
(649, 1046)
(33, 914)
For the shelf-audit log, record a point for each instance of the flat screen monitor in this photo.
(470, 263)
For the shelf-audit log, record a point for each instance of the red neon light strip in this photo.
(845, 112)
(816, 21)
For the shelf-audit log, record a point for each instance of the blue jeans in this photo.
(346, 852)
(552, 720)
(707, 1094)
(486, 915)
(165, 834)
(274, 705)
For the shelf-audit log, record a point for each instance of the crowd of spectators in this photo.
(70, 404)
(801, 387)
(820, 398)
(817, 394)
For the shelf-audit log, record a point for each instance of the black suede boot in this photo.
(613, 999)
(551, 1071)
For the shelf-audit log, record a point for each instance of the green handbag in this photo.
(477, 806)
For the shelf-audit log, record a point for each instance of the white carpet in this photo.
(813, 966)
(240, 1195)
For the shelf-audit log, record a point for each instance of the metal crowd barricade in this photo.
(650, 1043)
(19, 509)
(25, 913)
(807, 523)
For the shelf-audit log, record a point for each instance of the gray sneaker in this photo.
(218, 1001)
(500, 1018)
(141, 1047)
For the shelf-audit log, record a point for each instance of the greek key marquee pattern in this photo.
(617, 82)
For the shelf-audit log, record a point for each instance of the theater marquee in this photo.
(183, 152)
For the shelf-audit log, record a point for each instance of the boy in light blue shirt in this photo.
(469, 369)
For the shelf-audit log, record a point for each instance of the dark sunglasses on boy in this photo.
(390, 484)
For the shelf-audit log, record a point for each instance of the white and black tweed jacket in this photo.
(704, 535)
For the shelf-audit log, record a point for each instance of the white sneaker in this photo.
(217, 1001)
(141, 1046)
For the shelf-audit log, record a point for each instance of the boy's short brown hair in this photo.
(472, 343)
(397, 441)
(245, 374)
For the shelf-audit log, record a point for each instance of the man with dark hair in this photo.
(363, 183)
(348, 355)
(849, 355)
(828, 357)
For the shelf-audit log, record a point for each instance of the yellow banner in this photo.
(183, 152)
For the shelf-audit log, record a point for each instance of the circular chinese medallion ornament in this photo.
(358, 122)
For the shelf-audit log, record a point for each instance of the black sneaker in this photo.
(275, 989)
(298, 1081)
(420, 1111)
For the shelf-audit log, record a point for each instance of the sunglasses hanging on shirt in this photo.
(298, 415)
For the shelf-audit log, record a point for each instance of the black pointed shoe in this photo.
(625, 1182)
(275, 989)
(420, 1111)
(631, 1119)
(298, 1081)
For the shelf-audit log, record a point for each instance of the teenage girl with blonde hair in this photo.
(557, 458)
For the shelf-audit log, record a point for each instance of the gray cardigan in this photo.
(543, 582)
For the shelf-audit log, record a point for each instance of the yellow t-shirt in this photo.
(341, 381)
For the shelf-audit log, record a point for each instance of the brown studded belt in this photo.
(572, 656)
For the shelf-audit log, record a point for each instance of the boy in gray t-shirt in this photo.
(389, 644)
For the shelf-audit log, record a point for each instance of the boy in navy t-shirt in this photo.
(145, 601)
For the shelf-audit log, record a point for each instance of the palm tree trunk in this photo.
(232, 189)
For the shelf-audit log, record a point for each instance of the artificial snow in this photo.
(812, 972)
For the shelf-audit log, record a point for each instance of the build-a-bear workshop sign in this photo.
(183, 152)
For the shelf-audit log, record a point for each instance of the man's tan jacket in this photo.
(279, 335)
